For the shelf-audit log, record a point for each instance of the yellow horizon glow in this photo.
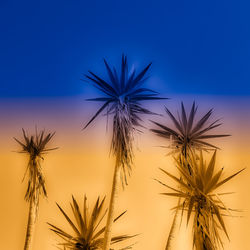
(82, 165)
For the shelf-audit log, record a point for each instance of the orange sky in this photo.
(82, 165)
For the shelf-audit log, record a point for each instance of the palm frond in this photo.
(124, 93)
(86, 232)
(200, 198)
(188, 133)
(35, 146)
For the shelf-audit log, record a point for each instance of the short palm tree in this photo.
(189, 134)
(122, 99)
(87, 233)
(199, 196)
(35, 146)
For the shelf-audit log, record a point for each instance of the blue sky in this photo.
(197, 47)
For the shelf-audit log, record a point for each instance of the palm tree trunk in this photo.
(31, 224)
(113, 200)
(201, 240)
(173, 229)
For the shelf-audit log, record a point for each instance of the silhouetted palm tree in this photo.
(35, 146)
(187, 135)
(198, 192)
(87, 234)
(122, 99)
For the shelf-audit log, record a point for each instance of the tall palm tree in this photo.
(35, 146)
(199, 195)
(122, 99)
(87, 233)
(189, 134)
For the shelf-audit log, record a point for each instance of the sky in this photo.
(82, 165)
(195, 46)
(200, 50)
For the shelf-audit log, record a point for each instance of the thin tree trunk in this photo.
(113, 200)
(31, 224)
(173, 229)
(201, 240)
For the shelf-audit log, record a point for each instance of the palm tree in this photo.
(87, 234)
(200, 197)
(188, 135)
(122, 97)
(35, 146)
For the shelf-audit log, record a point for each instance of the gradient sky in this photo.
(200, 51)
(82, 165)
(196, 46)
